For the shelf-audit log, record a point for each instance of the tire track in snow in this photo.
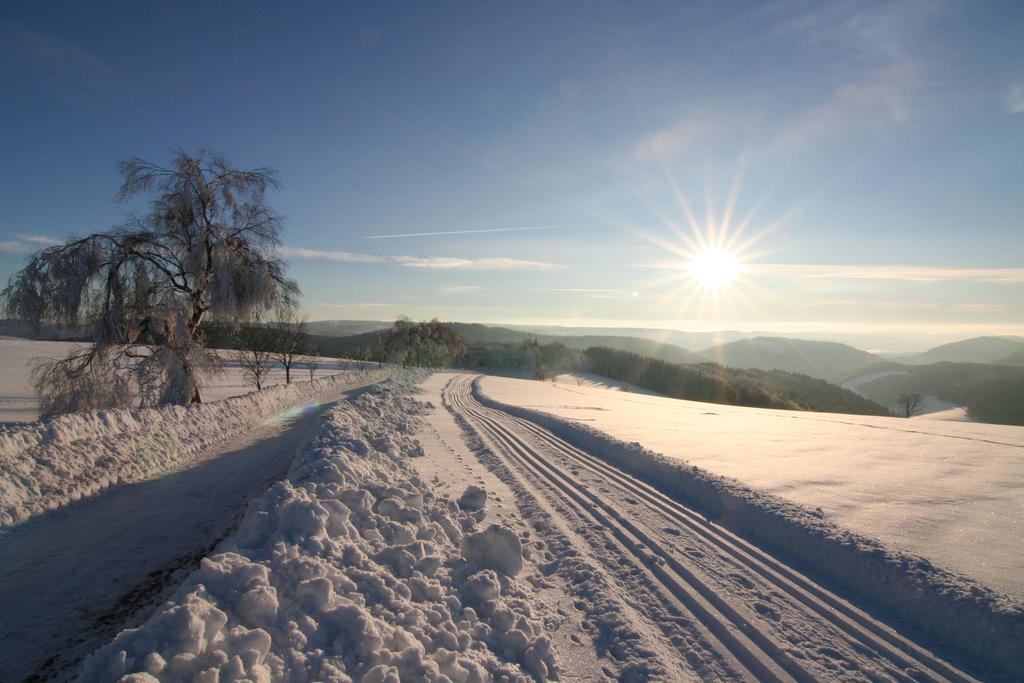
(864, 637)
(856, 625)
(623, 635)
(728, 632)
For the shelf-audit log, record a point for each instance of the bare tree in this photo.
(312, 362)
(909, 405)
(288, 331)
(254, 353)
(203, 250)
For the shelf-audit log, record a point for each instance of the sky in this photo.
(860, 165)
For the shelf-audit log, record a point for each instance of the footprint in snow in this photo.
(766, 611)
(742, 580)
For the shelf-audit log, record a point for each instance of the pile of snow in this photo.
(47, 464)
(955, 610)
(348, 570)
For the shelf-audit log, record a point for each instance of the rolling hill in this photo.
(344, 328)
(991, 393)
(475, 333)
(1015, 359)
(825, 360)
(974, 350)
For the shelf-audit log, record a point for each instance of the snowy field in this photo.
(589, 379)
(948, 491)
(18, 402)
(414, 530)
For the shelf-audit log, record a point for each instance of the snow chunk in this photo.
(474, 498)
(496, 547)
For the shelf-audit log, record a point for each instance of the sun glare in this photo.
(714, 268)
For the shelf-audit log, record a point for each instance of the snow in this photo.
(349, 569)
(701, 602)
(496, 547)
(473, 498)
(411, 541)
(854, 384)
(589, 379)
(946, 491)
(18, 402)
(50, 463)
(934, 408)
(452, 464)
(954, 413)
(72, 577)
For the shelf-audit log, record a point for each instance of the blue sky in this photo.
(867, 159)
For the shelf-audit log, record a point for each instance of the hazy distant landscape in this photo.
(977, 374)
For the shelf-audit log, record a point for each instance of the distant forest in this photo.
(718, 384)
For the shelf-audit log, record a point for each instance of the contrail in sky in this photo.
(477, 232)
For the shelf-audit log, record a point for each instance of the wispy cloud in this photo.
(25, 244)
(425, 262)
(576, 290)
(866, 272)
(882, 97)
(1015, 99)
(885, 81)
(361, 304)
(675, 140)
(889, 272)
(51, 59)
(481, 231)
(460, 289)
(980, 307)
(873, 304)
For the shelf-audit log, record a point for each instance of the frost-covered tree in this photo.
(204, 250)
(427, 344)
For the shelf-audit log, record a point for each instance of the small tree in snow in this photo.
(288, 332)
(312, 363)
(203, 250)
(909, 405)
(254, 353)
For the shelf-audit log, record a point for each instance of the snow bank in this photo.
(47, 464)
(956, 612)
(348, 570)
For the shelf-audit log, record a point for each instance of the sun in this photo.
(714, 268)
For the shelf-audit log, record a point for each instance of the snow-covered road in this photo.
(73, 578)
(694, 600)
